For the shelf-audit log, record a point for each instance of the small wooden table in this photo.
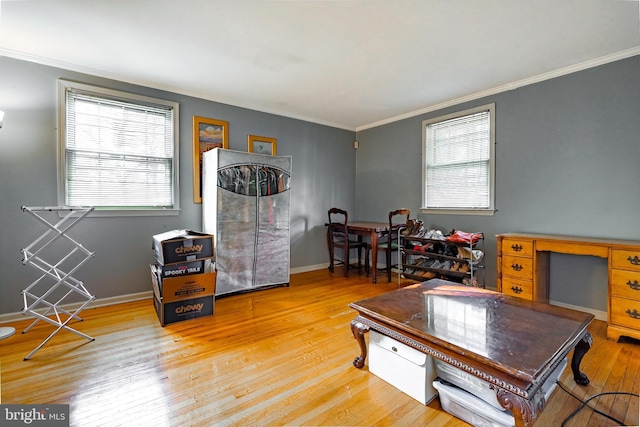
(512, 344)
(373, 230)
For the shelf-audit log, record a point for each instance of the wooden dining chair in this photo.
(338, 237)
(390, 241)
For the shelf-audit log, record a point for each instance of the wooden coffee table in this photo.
(511, 343)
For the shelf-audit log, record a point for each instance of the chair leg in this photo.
(331, 252)
(388, 253)
(345, 258)
(367, 266)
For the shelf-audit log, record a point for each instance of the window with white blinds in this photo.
(119, 151)
(458, 168)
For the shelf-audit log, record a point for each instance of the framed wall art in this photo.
(261, 145)
(207, 135)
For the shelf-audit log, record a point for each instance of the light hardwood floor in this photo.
(281, 356)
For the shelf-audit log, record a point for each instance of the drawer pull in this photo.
(634, 314)
(633, 285)
(516, 248)
(516, 267)
(516, 290)
(394, 349)
(635, 260)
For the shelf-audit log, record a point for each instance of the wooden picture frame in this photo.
(207, 135)
(261, 145)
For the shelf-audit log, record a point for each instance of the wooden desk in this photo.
(373, 230)
(513, 344)
(523, 271)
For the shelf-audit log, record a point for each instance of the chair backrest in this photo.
(338, 223)
(395, 213)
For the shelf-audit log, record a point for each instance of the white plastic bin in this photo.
(470, 408)
(481, 388)
(403, 367)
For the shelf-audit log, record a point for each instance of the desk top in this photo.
(572, 239)
(514, 336)
(370, 226)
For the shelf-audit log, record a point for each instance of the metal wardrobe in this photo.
(246, 201)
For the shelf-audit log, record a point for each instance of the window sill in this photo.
(478, 212)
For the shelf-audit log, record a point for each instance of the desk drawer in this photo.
(626, 260)
(521, 268)
(625, 312)
(517, 288)
(625, 284)
(523, 248)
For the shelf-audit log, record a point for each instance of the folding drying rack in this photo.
(42, 299)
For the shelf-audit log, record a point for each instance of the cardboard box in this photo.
(181, 269)
(181, 310)
(179, 246)
(184, 297)
(171, 289)
(405, 368)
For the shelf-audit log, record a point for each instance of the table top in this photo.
(370, 226)
(511, 335)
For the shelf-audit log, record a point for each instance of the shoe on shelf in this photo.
(436, 264)
(406, 231)
(426, 247)
(416, 226)
(474, 255)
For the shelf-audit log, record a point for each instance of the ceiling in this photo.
(349, 64)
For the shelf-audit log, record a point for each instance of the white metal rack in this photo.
(43, 299)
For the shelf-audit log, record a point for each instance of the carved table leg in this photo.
(524, 411)
(358, 330)
(578, 353)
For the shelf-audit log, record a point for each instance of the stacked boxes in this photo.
(183, 279)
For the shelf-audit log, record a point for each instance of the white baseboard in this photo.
(600, 315)
(308, 268)
(99, 302)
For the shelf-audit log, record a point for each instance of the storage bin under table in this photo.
(474, 400)
(470, 408)
(403, 367)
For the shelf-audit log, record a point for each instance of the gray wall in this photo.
(567, 162)
(323, 176)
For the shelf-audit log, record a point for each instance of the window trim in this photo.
(63, 86)
(491, 108)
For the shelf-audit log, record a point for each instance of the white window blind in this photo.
(118, 153)
(458, 162)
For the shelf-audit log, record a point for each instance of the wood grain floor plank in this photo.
(281, 356)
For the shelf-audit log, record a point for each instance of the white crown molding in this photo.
(510, 86)
(154, 85)
(503, 88)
